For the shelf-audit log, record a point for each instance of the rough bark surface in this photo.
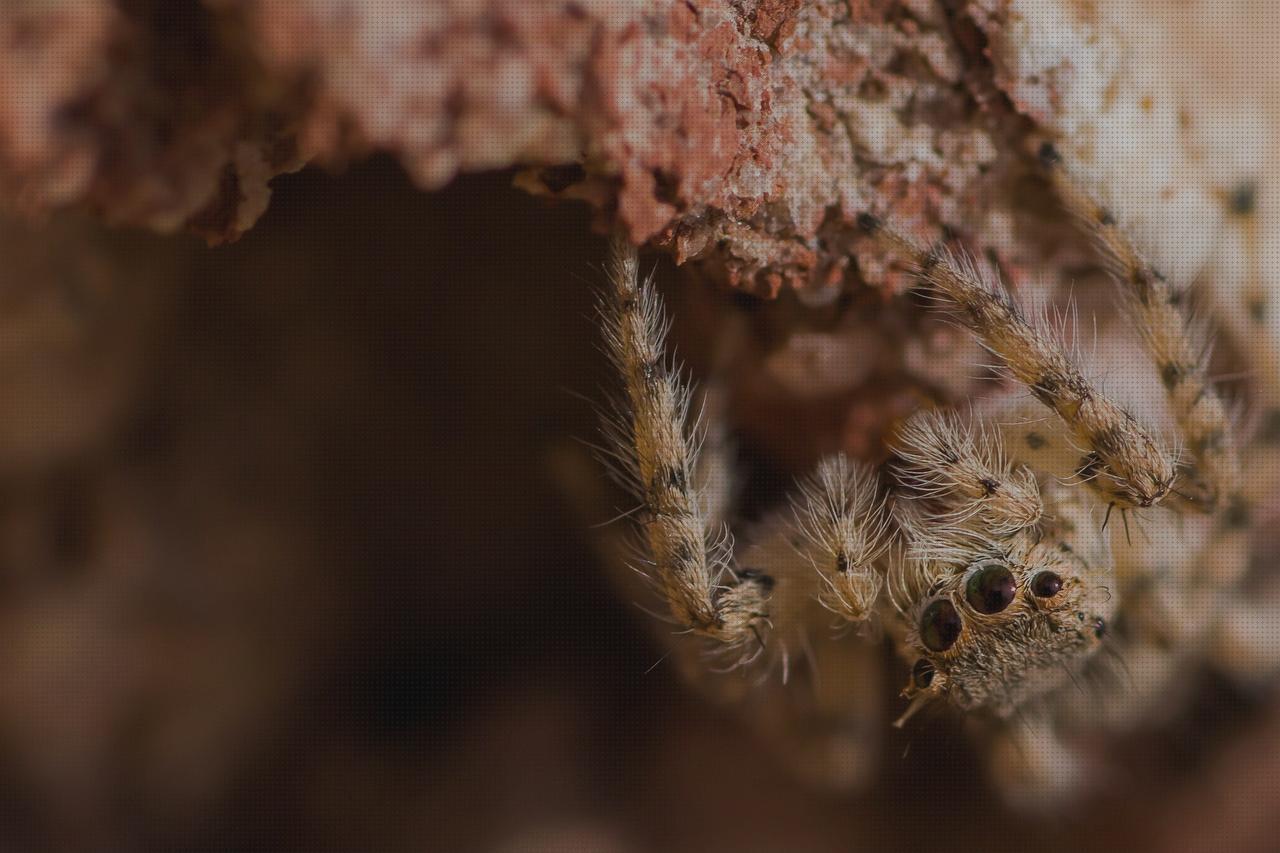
(747, 132)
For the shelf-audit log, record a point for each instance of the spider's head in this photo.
(1007, 626)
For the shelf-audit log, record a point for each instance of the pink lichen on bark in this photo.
(751, 133)
(747, 133)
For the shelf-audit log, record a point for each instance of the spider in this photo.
(986, 549)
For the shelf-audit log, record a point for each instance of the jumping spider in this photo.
(985, 548)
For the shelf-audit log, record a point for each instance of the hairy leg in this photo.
(654, 451)
(959, 473)
(755, 605)
(1121, 459)
(1158, 309)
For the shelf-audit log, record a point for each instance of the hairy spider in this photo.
(984, 548)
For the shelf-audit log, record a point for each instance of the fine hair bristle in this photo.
(1121, 460)
(844, 526)
(654, 450)
(959, 471)
(1158, 309)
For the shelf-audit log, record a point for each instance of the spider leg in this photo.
(655, 454)
(1131, 467)
(1248, 310)
(1246, 639)
(1241, 638)
(1158, 309)
(961, 472)
(748, 608)
(1245, 643)
(827, 551)
(842, 528)
(813, 694)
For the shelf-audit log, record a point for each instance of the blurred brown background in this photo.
(286, 564)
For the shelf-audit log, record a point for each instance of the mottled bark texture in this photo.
(750, 133)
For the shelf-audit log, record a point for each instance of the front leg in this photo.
(653, 450)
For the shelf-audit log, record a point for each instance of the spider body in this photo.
(985, 547)
(1003, 620)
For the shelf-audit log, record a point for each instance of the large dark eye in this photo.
(1046, 584)
(940, 626)
(990, 588)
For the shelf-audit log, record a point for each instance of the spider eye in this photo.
(990, 589)
(922, 673)
(1046, 584)
(940, 625)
